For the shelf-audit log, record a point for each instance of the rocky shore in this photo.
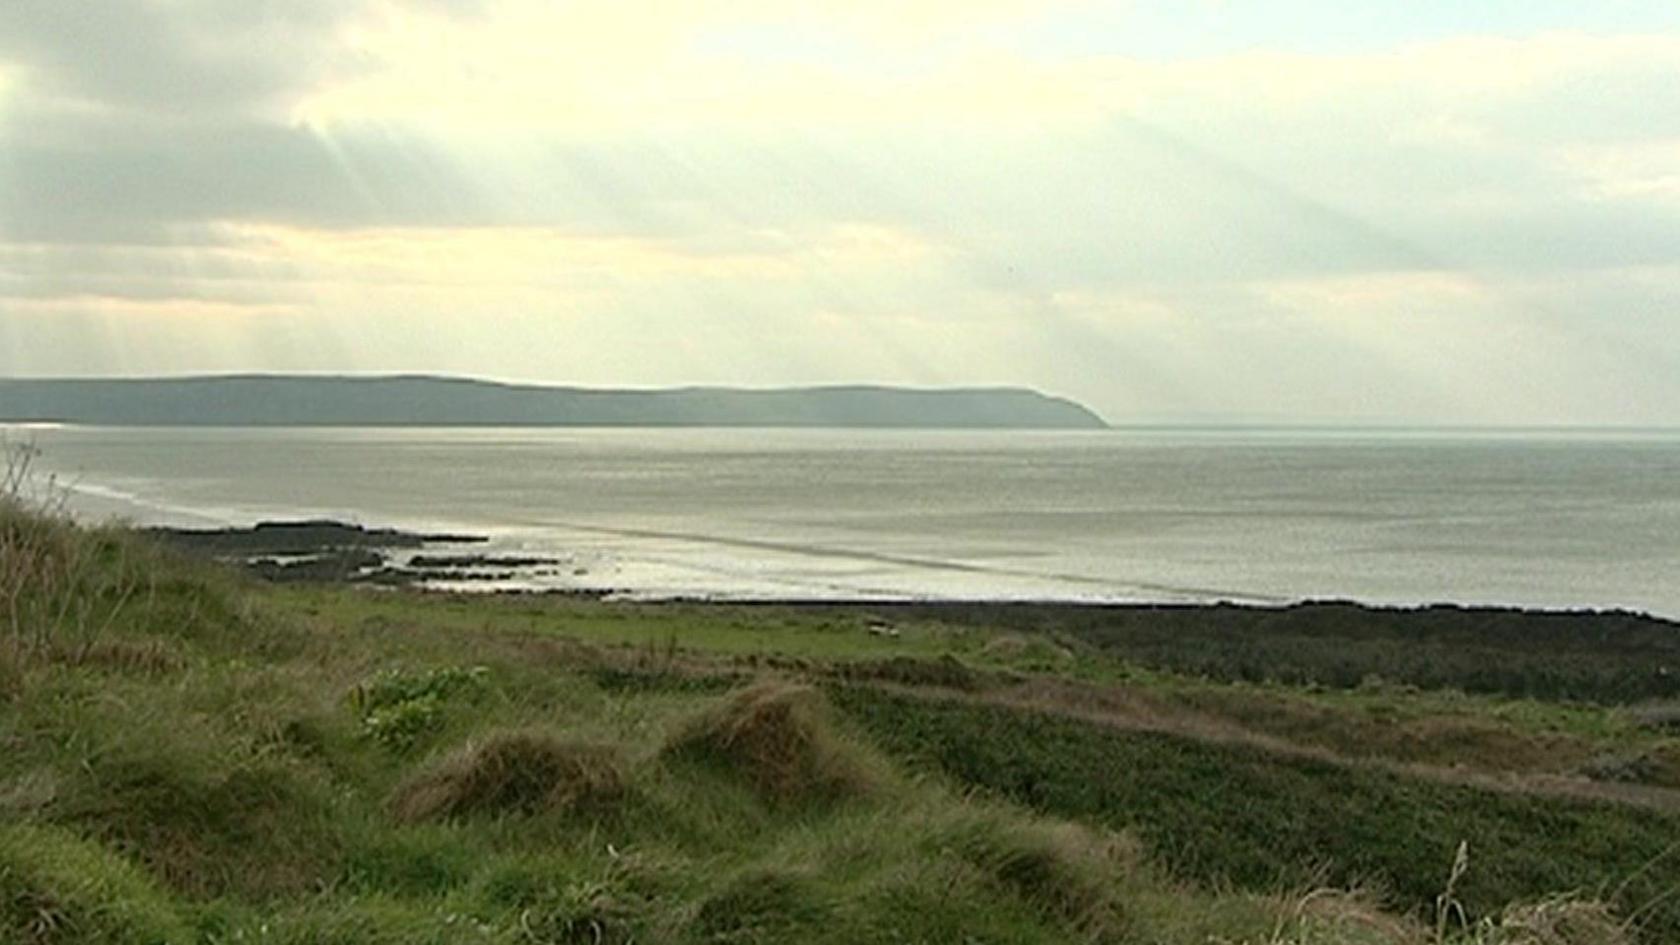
(329, 551)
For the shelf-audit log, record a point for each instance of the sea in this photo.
(1545, 519)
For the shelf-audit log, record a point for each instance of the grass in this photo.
(514, 772)
(231, 762)
(778, 739)
(58, 887)
(1603, 657)
(1219, 814)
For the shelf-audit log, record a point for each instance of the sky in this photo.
(1175, 211)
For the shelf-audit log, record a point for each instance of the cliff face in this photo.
(261, 400)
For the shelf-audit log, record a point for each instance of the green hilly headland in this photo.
(419, 400)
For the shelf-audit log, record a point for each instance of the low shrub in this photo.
(400, 708)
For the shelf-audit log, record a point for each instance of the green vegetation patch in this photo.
(1225, 814)
(58, 889)
(762, 904)
(399, 708)
(1608, 658)
(259, 827)
(946, 672)
(374, 920)
(636, 681)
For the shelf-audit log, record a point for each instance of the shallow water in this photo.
(1554, 520)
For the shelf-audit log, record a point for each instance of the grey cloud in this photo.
(1168, 197)
(191, 59)
(88, 180)
(197, 270)
(143, 126)
(1127, 205)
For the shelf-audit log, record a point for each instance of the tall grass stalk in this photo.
(61, 587)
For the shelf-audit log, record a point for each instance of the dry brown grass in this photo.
(61, 586)
(1345, 917)
(152, 657)
(1563, 920)
(519, 771)
(779, 738)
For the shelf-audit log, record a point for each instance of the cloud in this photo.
(1000, 191)
(185, 59)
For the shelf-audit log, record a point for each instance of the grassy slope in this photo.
(230, 763)
(1238, 815)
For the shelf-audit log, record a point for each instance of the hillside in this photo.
(263, 400)
(194, 758)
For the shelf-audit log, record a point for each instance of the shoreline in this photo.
(328, 551)
(623, 510)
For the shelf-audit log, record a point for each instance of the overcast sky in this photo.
(1174, 210)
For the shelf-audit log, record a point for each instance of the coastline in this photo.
(1108, 518)
(326, 551)
(1568, 653)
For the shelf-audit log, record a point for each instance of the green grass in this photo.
(227, 762)
(58, 887)
(1223, 814)
(1608, 658)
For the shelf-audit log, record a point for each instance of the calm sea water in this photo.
(1564, 520)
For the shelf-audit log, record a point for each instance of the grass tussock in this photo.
(515, 772)
(1065, 871)
(780, 738)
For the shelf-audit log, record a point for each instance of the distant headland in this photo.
(423, 400)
